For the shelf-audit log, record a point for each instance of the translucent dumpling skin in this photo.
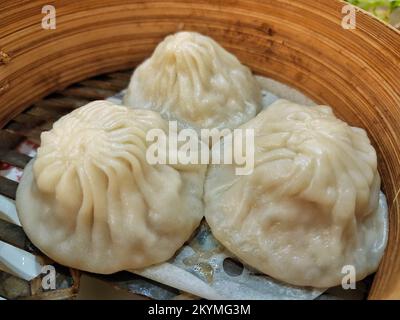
(191, 78)
(91, 201)
(312, 204)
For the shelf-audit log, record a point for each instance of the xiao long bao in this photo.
(192, 79)
(312, 204)
(91, 201)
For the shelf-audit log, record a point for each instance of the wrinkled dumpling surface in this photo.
(191, 78)
(312, 204)
(90, 200)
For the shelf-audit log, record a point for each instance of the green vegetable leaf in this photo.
(381, 8)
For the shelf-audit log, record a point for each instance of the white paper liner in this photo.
(198, 268)
(176, 277)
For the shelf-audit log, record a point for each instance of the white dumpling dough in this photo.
(191, 78)
(91, 201)
(312, 204)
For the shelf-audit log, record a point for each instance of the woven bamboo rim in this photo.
(297, 42)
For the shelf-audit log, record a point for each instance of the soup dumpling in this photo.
(90, 200)
(191, 78)
(312, 204)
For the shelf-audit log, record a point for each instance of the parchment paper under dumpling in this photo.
(311, 205)
(206, 269)
(192, 79)
(90, 200)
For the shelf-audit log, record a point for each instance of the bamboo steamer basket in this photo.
(300, 43)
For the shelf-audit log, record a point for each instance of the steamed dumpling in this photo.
(311, 206)
(191, 78)
(91, 201)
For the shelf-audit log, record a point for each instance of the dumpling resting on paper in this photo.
(90, 200)
(311, 210)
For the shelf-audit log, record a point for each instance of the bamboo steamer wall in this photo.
(299, 42)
